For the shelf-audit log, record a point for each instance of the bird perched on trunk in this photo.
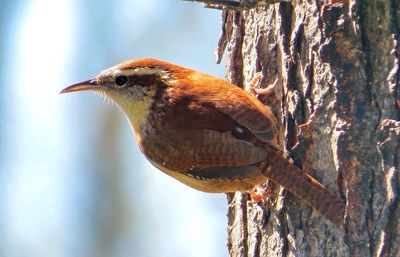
(205, 132)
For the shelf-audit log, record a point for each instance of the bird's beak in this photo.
(90, 84)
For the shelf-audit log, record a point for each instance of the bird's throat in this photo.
(137, 113)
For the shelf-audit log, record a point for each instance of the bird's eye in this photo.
(121, 80)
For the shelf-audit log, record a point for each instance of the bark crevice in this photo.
(339, 81)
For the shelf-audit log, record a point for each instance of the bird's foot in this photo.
(255, 86)
(261, 192)
(257, 197)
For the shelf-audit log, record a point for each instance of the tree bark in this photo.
(339, 109)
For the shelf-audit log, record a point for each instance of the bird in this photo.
(206, 132)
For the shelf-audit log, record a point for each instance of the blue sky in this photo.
(72, 180)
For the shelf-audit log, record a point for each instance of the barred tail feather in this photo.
(305, 187)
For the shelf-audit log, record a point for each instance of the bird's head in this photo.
(135, 80)
(134, 85)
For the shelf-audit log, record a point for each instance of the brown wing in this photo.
(234, 102)
(211, 129)
(210, 92)
(200, 148)
(249, 113)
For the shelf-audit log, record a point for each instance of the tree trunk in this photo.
(339, 107)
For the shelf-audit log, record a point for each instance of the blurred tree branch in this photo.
(236, 4)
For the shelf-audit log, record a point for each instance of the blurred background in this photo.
(72, 180)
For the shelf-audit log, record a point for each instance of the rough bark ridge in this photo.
(339, 106)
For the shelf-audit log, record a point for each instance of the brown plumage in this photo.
(205, 132)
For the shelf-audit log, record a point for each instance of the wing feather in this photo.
(241, 107)
(205, 121)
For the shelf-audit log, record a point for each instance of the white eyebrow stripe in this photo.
(139, 71)
(143, 71)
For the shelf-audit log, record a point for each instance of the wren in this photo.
(206, 132)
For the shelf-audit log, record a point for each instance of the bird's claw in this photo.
(255, 83)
